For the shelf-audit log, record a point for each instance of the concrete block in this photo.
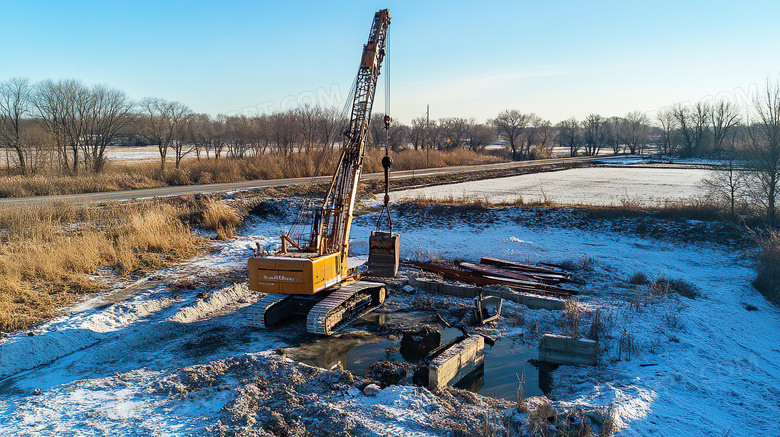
(560, 349)
(456, 362)
(532, 301)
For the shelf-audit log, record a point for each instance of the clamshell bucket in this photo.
(383, 249)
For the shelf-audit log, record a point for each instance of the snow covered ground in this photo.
(607, 186)
(148, 153)
(156, 358)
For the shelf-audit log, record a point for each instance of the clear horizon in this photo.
(462, 58)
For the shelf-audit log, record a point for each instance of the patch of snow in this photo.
(702, 366)
(602, 186)
(221, 301)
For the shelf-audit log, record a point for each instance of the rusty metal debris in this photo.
(537, 279)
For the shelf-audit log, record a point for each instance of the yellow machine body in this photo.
(312, 259)
(295, 274)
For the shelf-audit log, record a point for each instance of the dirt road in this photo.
(125, 195)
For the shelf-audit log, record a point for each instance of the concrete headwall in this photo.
(560, 349)
(456, 362)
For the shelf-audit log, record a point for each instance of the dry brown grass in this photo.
(470, 201)
(45, 185)
(768, 267)
(196, 172)
(221, 218)
(50, 252)
(416, 159)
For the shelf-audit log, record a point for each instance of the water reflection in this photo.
(505, 365)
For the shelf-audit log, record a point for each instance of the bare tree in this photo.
(692, 123)
(636, 127)
(764, 148)
(667, 140)
(570, 135)
(593, 134)
(107, 111)
(544, 137)
(15, 104)
(239, 132)
(613, 137)
(263, 125)
(330, 125)
(417, 133)
(162, 123)
(399, 136)
(376, 134)
(308, 119)
(510, 124)
(63, 106)
(478, 135)
(529, 136)
(40, 152)
(728, 183)
(724, 115)
(284, 131)
(453, 132)
(433, 135)
(218, 135)
(82, 120)
(197, 134)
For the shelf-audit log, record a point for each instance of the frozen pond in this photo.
(602, 186)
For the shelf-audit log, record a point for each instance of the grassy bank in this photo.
(768, 269)
(51, 252)
(195, 172)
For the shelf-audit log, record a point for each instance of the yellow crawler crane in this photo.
(309, 275)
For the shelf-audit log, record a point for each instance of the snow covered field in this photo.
(153, 358)
(138, 154)
(604, 186)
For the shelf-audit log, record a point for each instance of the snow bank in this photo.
(219, 302)
(25, 353)
(67, 334)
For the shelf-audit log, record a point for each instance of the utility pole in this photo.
(427, 121)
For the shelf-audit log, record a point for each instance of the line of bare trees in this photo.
(529, 136)
(750, 175)
(67, 125)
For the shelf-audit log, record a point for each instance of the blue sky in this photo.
(464, 58)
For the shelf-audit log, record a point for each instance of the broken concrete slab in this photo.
(487, 309)
(456, 362)
(530, 300)
(560, 349)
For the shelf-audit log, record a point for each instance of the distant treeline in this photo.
(65, 127)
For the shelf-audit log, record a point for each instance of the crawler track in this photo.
(344, 305)
(337, 308)
(257, 312)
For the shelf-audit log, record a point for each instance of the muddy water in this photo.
(355, 350)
